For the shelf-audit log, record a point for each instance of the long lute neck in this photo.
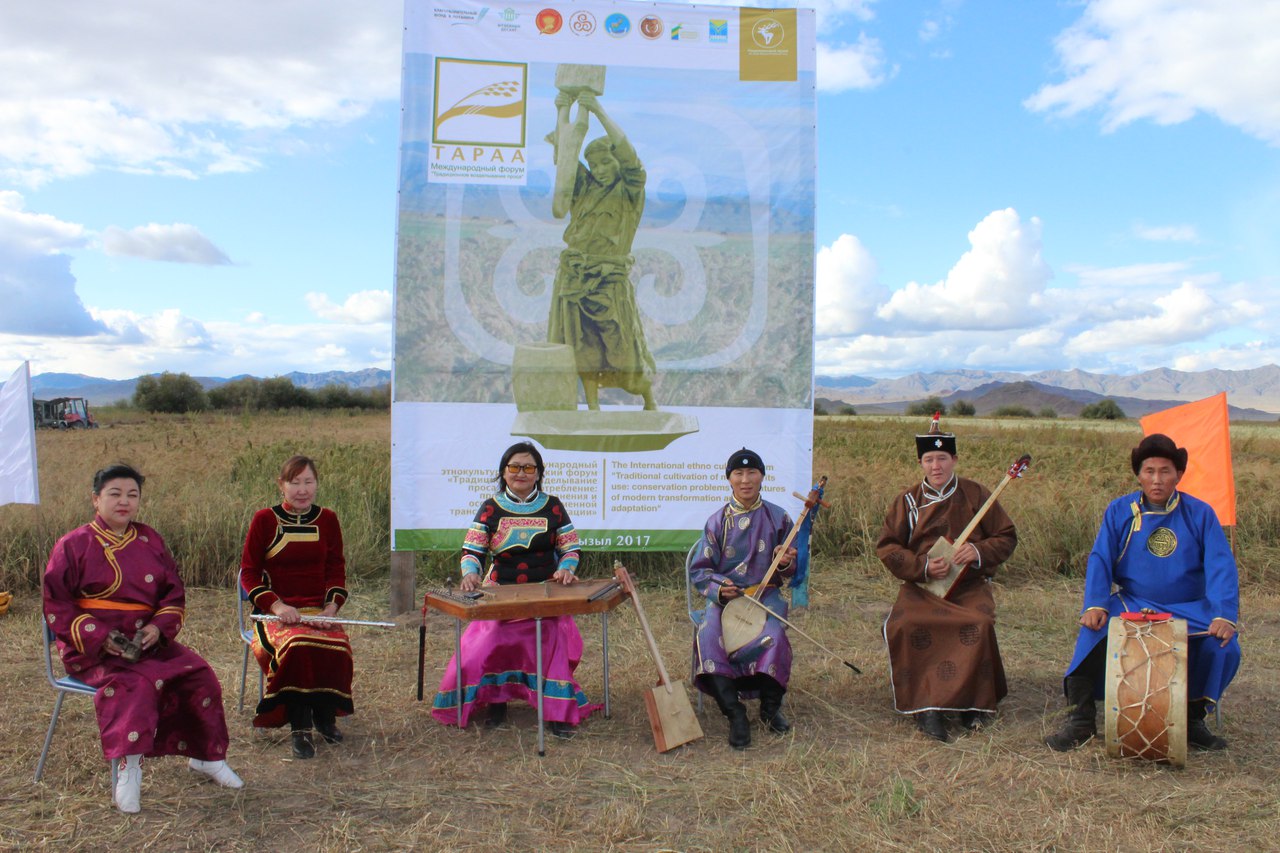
(777, 558)
(982, 511)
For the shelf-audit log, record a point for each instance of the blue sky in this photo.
(1002, 185)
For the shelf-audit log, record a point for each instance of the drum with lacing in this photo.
(1146, 688)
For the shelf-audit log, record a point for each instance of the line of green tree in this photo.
(179, 393)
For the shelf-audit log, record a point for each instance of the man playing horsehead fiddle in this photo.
(739, 542)
(943, 655)
(1163, 551)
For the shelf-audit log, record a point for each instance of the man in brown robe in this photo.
(943, 655)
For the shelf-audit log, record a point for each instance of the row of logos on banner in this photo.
(765, 32)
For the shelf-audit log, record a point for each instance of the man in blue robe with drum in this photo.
(1158, 551)
(739, 543)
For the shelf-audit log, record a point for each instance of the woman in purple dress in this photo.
(115, 603)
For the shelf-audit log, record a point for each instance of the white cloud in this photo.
(842, 67)
(847, 290)
(1129, 275)
(997, 284)
(1239, 357)
(178, 243)
(1167, 233)
(183, 88)
(168, 329)
(138, 344)
(1189, 313)
(34, 233)
(1167, 60)
(366, 306)
(37, 289)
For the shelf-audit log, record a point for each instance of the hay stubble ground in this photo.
(852, 776)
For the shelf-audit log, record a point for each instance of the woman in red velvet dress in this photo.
(292, 566)
(114, 574)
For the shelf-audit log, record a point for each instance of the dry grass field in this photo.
(852, 776)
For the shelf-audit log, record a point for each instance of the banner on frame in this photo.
(605, 246)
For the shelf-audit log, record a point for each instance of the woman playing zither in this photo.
(527, 537)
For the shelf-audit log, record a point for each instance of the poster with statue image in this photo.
(605, 246)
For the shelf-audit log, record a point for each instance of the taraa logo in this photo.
(479, 103)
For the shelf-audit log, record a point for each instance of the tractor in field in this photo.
(63, 413)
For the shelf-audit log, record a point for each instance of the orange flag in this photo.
(1201, 427)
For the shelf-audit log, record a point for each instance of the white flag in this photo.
(18, 483)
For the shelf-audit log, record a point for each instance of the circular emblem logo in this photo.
(549, 22)
(582, 23)
(651, 27)
(1162, 542)
(617, 25)
(768, 32)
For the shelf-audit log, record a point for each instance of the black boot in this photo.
(771, 693)
(326, 726)
(1198, 734)
(497, 715)
(1081, 723)
(725, 692)
(303, 747)
(931, 723)
(300, 723)
(976, 720)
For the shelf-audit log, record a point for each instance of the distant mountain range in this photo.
(104, 392)
(1251, 394)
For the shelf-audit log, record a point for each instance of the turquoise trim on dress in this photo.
(556, 690)
(536, 501)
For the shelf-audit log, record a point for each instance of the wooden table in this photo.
(536, 601)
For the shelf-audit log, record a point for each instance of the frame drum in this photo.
(1146, 700)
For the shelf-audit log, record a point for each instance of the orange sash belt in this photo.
(108, 604)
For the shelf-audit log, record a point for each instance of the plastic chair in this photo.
(62, 686)
(695, 616)
(246, 638)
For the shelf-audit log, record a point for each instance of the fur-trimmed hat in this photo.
(744, 459)
(1161, 446)
(935, 439)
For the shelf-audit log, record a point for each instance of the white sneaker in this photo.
(218, 771)
(129, 789)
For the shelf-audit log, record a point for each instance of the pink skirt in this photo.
(498, 665)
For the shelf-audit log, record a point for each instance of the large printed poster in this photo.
(605, 246)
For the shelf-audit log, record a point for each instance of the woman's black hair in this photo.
(520, 447)
(116, 471)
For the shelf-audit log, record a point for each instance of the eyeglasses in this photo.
(527, 469)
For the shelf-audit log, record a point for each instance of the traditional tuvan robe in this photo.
(170, 701)
(943, 654)
(1171, 559)
(297, 558)
(737, 546)
(526, 541)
